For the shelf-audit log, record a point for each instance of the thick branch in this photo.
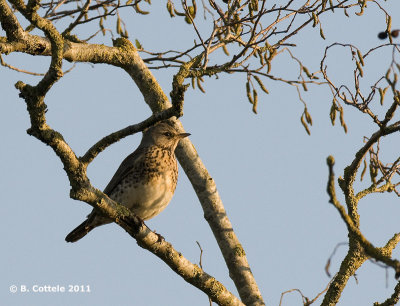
(57, 43)
(121, 55)
(124, 55)
(360, 248)
(10, 23)
(204, 186)
(161, 248)
(379, 254)
(353, 260)
(82, 190)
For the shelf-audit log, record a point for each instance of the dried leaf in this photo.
(360, 57)
(199, 80)
(225, 49)
(268, 66)
(344, 127)
(341, 117)
(178, 13)
(188, 20)
(382, 95)
(253, 5)
(192, 11)
(332, 114)
(102, 26)
(138, 44)
(119, 29)
(387, 76)
(385, 89)
(139, 10)
(248, 93)
(321, 33)
(364, 169)
(359, 68)
(170, 9)
(315, 19)
(272, 54)
(307, 72)
(255, 101)
(308, 116)
(261, 84)
(304, 124)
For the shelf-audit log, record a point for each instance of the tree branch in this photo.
(76, 170)
(393, 300)
(360, 249)
(203, 184)
(10, 23)
(380, 254)
(82, 190)
(108, 140)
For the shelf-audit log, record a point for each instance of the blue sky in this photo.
(270, 174)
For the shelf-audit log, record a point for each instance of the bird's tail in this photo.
(80, 231)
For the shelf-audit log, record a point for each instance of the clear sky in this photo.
(270, 174)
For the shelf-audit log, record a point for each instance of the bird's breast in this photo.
(149, 189)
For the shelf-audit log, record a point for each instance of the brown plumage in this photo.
(145, 181)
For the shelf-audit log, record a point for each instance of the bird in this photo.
(145, 181)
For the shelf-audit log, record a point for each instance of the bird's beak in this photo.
(183, 135)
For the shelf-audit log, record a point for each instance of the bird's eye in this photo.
(168, 134)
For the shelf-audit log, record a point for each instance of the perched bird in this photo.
(145, 181)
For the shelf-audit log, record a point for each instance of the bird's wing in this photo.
(126, 166)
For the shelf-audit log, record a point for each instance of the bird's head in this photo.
(163, 134)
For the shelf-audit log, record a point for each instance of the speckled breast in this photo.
(149, 186)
